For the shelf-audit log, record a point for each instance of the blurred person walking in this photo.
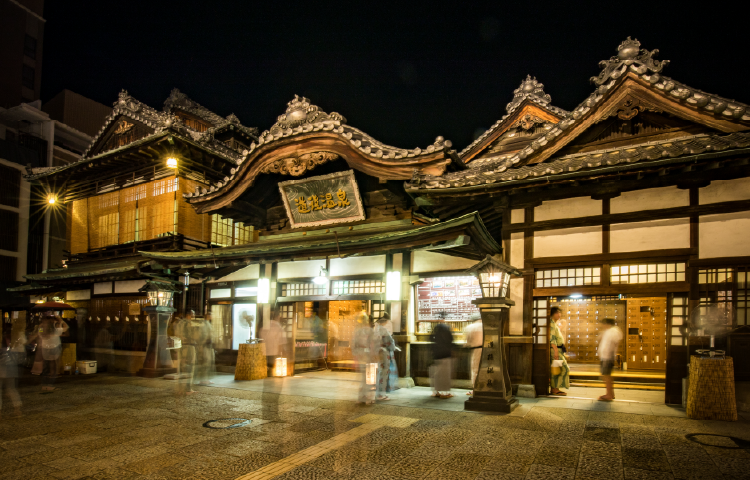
(558, 378)
(607, 349)
(364, 350)
(9, 374)
(385, 357)
(48, 338)
(474, 339)
(442, 350)
(272, 333)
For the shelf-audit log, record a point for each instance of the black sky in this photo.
(402, 72)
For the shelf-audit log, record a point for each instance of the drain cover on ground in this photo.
(720, 441)
(227, 423)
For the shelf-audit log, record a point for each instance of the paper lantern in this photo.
(372, 373)
(279, 367)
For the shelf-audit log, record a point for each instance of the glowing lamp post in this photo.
(492, 391)
(160, 293)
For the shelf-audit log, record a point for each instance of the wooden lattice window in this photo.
(648, 273)
(302, 289)
(355, 287)
(108, 229)
(221, 230)
(242, 234)
(568, 277)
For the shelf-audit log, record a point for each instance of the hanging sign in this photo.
(322, 200)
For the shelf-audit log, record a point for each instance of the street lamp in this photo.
(171, 162)
(492, 389)
(160, 293)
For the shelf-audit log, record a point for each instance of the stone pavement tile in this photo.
(637, 429)
(515, 468)
(307, 472)
(490, 475)
(695, 469)
(547, 472)
(727, 452)
(115, 473)
(64, 463)
(640, 441)
(465, 462)
(602, 434)
(601, 449)
(152, 464)
(140, 454)
(591, 466)
(637, 474)
(413, 467)
(558, 455)
(645, 459)
(479, 445)
(249, 463)
(571, 429)
(733, 467)
(361, 470)
(85, 470)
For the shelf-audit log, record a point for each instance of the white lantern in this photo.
(372, 373)
(279, 367)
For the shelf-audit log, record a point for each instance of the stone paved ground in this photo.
(129, 428)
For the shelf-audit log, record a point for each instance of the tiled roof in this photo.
(301, 117)
(531, 90)
(630, 59)
(672, 148)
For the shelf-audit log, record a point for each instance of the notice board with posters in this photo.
(448, 297)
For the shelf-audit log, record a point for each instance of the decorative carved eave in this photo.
(528, 99)
(634, 78)
(178, 100)
(305, 134)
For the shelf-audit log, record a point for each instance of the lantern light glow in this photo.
(279, 367)
(264, 290)
(171, 162)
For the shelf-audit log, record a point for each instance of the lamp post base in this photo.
(491, 404)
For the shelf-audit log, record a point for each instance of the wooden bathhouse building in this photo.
(634, 205)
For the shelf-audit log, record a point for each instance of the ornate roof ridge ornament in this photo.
(630, 55)
(180, 100)
(529, 87)
(300, 111)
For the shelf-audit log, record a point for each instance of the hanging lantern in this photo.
(279, 367)
(372, 373)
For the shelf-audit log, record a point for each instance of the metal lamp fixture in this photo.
(160, 293)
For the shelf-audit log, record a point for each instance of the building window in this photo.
(568, 277)
(378, 309)
(29, 47)
(679, 315)
(108, 229)
(540, 316)
(9, 231)
(10, 186)
(8, 267)
(27, 79)
(221, 230)
(726, 288)
(242, 234)
(648, 273)
(166, 186)
(358, 287)
(302, 289)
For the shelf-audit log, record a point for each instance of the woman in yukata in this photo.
(387, 376)
(556, 351)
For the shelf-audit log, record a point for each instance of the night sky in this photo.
(402, 72)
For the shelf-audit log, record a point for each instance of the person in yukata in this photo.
(442, 351)
(48, 337)
(607, 349)
(474, 339)
(364, 350)
(9, 374)
(387, 375)
(557, 342)
(272, 335)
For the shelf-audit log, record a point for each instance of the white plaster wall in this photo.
(78, 295)
(305, 268)
(516, 312)
(128, 286)
(516, 249)
(725, 191)
(566, 242)
(649, 199)
(651, 235)
(568, 208)
(357, 265)
(724, 235)
(517, 215)
(251, 272)
(102, 288)
(436, 262)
